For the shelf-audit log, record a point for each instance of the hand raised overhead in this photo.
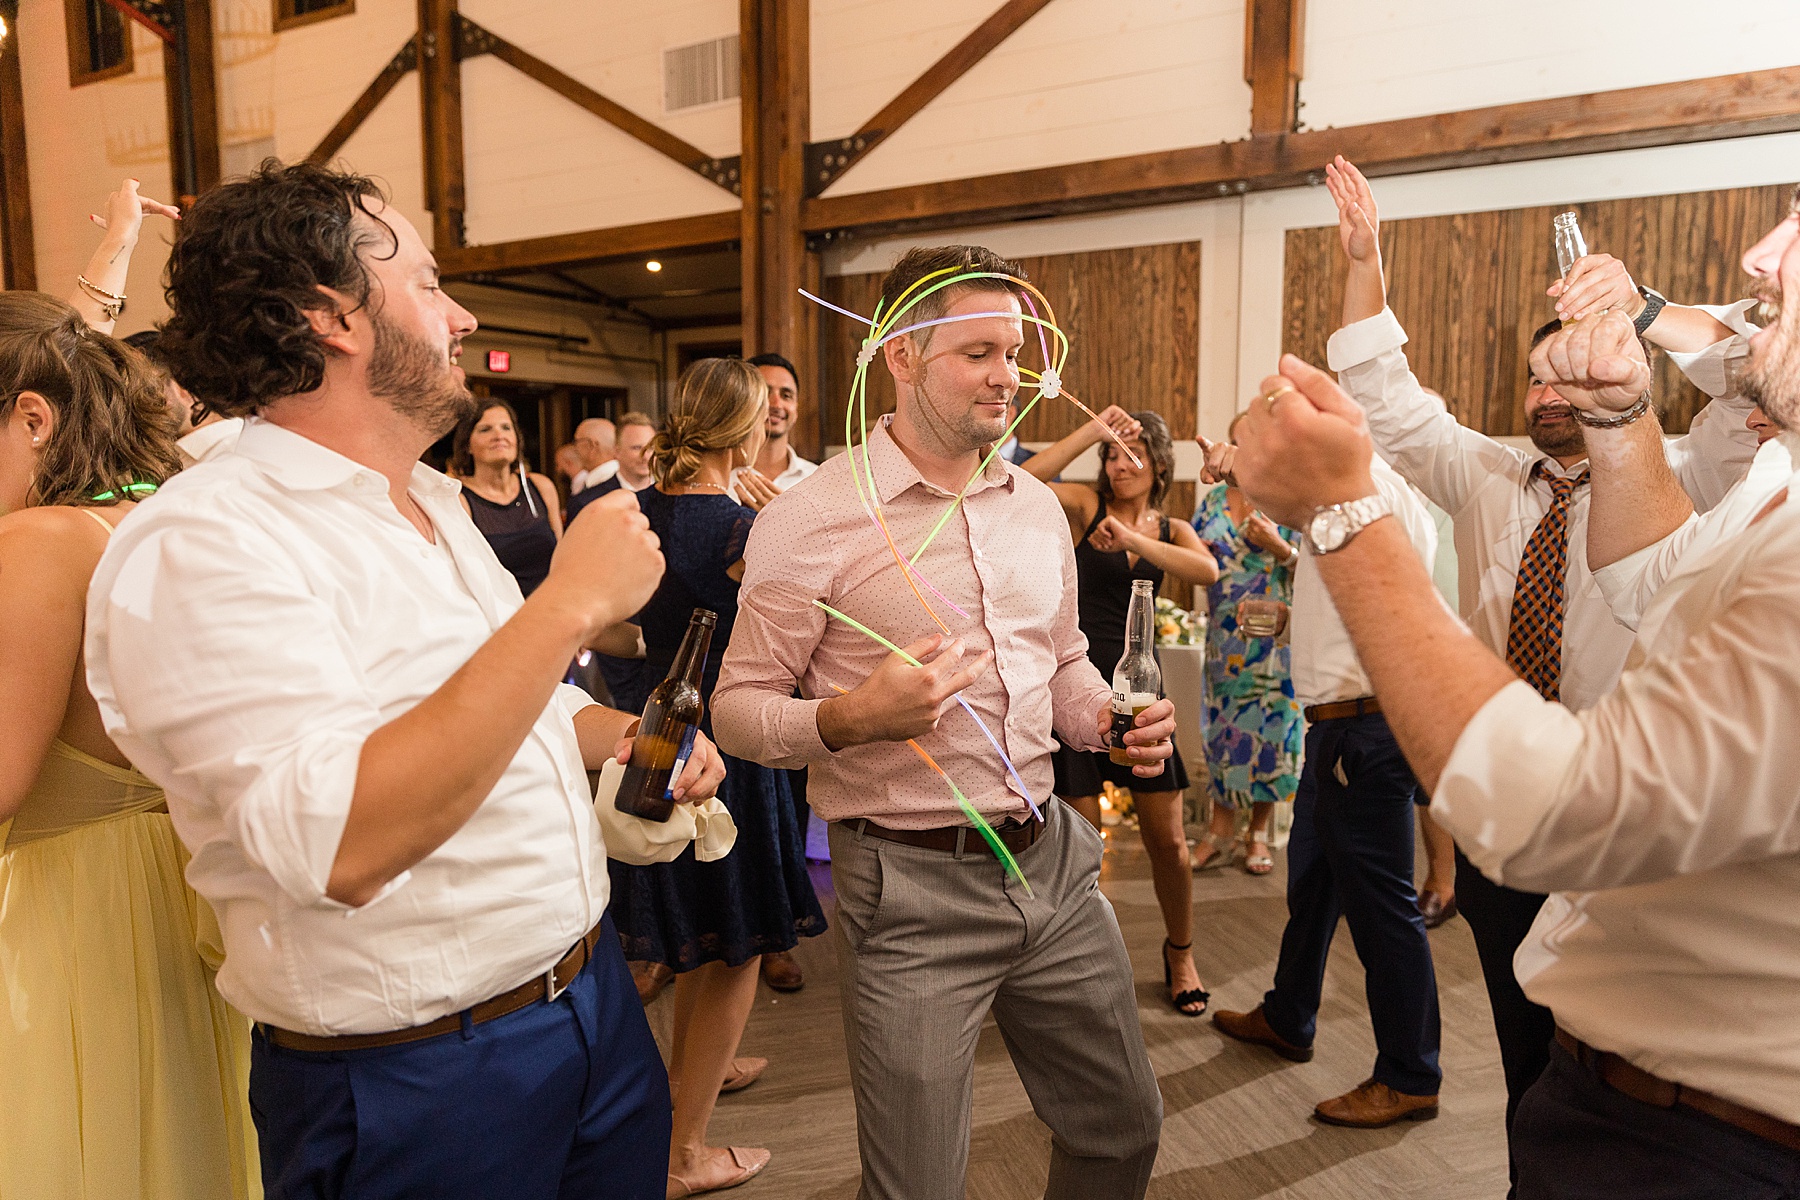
(1359, 224)
(1597, 365)
(1303, 444)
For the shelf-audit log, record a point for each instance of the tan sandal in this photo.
(749, 1164)
(1258, 864)
(743, 1073)
(1222, 851)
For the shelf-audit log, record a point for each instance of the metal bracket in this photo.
(404, 60)
(826, 161)
(472, 41)
(726, 172)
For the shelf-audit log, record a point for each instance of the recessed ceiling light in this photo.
(653, 266)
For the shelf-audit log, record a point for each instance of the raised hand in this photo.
(1596, 365)
(1119, 421)
(1359, 224)
(1595, 283)
(1219, 459)
(125, 212)
(1303, 444)
(898, 700)
(754, 489)
(607, 564)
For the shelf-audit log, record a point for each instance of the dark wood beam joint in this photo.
(1274, 51)
(825, 161)
(15, 183)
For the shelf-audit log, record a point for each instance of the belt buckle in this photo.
(551, 992)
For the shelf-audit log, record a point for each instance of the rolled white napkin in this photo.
(639, 842)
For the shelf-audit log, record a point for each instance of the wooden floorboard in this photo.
(1238, 1121)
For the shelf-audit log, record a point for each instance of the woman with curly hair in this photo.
(1122, 535)
(124, 1070)
(711, 922)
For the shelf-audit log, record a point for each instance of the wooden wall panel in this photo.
(1470, 287)
(1133, 321)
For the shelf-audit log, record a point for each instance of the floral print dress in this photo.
(1254, 727)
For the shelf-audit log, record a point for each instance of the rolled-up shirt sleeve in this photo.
(243, 679)
(1714, 369)
(788, 562)
(1687, 766)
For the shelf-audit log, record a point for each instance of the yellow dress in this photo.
(123, 1074)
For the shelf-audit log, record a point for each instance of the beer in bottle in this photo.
(1137, 680)
(665, 737)
(1570, 245)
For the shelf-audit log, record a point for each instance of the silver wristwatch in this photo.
(1332, 526)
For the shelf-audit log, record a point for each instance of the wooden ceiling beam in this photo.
(477, 40)
(826, 161)
(1274, 51)
(1723, 106)
(404, 60)
(20, 245)
(440, 95)
(707, 231)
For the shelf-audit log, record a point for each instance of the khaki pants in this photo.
(928, 944)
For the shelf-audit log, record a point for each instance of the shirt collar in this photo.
(895, 473)
(300, 464)
(1546, 465)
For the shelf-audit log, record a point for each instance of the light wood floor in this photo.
(1238, 1121)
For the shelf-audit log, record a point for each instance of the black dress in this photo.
(758, 899)
(1103, 593)
(519, 532)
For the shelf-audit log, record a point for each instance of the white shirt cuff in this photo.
(1367, 339)
(1506, 774)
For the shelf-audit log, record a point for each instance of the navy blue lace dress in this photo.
(758, 899)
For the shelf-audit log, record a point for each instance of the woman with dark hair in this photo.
(124, 1070)
(1122, 535)
(517, 511)
(711, 922)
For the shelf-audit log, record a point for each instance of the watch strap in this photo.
(1653, 306)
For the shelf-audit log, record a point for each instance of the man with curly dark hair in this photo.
(361, 730)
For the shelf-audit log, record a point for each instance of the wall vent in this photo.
(701, 74)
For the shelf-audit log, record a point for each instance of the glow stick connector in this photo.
(866, 355)
(1049, 383)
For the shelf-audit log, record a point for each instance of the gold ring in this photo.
(1277, 394)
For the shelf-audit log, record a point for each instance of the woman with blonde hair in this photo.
(711, 922)
(124, 1072)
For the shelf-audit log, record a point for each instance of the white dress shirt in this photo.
(797, 469)
(1325, 666)
(248, 628)
(1663, 822)
(1631, 584)
(1494, 503)
(209, 440)
(600, 474)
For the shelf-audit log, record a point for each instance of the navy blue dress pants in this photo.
(1351, 854)
(1575, 1138)
(553, 1102)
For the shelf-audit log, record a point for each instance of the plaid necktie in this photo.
(1534, 635)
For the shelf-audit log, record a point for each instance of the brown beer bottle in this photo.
(665, 737)
(1137, 680)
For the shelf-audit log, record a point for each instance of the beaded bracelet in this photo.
(111, 303)
(1625, 418)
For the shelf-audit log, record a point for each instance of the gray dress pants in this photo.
(928, 944)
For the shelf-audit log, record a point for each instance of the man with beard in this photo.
(359, 726)
(933, 932)
(1520, 521)
(1661, 820)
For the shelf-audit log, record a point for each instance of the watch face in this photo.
(1327, 530)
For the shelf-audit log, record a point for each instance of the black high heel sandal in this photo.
(1180, 1000)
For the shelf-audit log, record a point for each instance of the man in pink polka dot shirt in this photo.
(933, 935)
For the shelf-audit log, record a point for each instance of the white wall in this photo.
(1083, 79)
(1375, 60)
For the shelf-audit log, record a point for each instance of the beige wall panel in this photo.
(318, 71)
(615, 47)
(1369, 61)
(82, 142)
(538, 165)
(388, 147)
(1083, 79)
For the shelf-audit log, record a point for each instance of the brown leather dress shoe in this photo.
(1253, 1027)
(1435, 909)
(782, 973)
(1375, 1106)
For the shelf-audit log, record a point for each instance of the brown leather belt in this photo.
(546, 987)
(1014, 834)
(1343, 708)
(1646, 1088)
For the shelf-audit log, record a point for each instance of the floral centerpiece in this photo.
(1176, 626)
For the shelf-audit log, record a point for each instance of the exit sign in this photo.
(499, 361)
